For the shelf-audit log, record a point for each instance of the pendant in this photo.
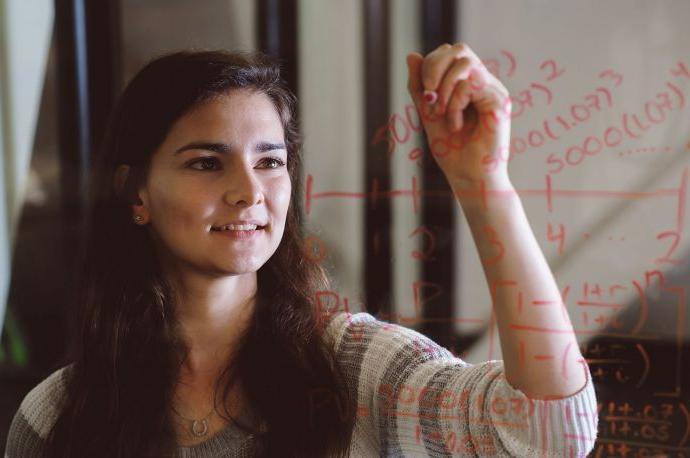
(199, 428)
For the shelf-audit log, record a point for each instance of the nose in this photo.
(245, 189)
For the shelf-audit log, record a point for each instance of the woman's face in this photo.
(224, 162)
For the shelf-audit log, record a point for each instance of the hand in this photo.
(465, 112)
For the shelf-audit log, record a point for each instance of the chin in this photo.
(243, 267)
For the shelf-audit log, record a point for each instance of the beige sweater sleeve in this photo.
(417, 399)
(35, 417)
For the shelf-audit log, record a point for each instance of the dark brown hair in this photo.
(125, 349)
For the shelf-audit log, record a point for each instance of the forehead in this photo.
(238, 114)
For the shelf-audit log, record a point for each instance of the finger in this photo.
(414, 77)
(458, 71)
(492, 97)
(459, 100)
(439, 60)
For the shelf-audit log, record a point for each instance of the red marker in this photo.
(430, 96)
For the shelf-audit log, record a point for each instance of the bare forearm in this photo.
(526, 298)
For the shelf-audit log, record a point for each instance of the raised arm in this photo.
(466, 116)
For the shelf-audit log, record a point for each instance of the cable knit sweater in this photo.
(415, 398)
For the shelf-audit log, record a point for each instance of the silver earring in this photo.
(138, 219)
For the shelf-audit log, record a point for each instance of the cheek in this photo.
(280, 196)
(177, 206)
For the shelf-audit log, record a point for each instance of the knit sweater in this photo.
(415, 398)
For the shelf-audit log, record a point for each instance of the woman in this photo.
(197, 335)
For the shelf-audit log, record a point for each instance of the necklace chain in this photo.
(198, 428)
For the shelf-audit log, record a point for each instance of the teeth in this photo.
(238, 227)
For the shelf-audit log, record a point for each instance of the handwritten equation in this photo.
(643, 409)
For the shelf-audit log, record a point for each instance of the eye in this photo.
(275, 162)
(205, 160)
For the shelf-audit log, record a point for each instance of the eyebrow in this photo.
(224, 148)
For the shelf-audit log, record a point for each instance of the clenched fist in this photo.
(465, 112)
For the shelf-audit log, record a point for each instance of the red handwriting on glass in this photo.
(633, 125)
(628, 428)
(429, 238)
(556, 232)
(493, 65)
(525, 98)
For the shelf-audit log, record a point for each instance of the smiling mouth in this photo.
(243, 228)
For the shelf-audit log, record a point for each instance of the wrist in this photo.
(480, 192)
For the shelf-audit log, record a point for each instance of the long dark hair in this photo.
(125, 349)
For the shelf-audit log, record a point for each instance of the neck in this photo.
(213, 314)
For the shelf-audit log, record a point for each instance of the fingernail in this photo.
(430, 96)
